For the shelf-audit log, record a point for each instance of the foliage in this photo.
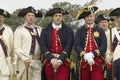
(69, 19)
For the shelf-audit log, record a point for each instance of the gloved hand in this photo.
(87, 56)
(91, 61)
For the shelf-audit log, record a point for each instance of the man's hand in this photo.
(54, 63)
(27, 62)
(89, 57)
(91, 61)
(59, 63)
(109, 57)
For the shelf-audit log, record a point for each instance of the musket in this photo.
(111, 47)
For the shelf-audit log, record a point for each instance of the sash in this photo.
(34, 37)
(4, 47)
(117, 34)
(116, 54)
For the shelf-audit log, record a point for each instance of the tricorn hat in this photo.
(4, 13)
(115, 12)
(103, 17)
(53, 11)
(86, 11)
(30, 9)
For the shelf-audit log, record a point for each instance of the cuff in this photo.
(49, 56)
(59, 61)
(96, 53)
(63, 56)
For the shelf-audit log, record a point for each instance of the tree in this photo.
(14, 21)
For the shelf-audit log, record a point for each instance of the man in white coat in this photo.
(116, 42)
(6, 42)
(26, 45)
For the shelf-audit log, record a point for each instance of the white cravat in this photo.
(30, 26)
(90, 26)
(56, 26)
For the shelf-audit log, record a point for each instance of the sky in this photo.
(12, 5)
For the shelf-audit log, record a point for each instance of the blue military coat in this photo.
(66, 37)
(99, 36)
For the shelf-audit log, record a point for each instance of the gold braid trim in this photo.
(98, 52)
(82, 53)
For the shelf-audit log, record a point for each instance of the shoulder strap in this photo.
(4, 47)
(117, 34)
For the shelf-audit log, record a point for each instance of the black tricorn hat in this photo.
(103, 17)
(115, 12)
(4, 13)
(30, 9)
(86, 11)
(53, 11)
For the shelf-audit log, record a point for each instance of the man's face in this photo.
(89, 19)
(1, 19)
(30, 18)
(57, 18)
(118, 20)
(104, 24)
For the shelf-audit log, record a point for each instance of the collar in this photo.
(30, 26)
(56, 26)
(90, 26)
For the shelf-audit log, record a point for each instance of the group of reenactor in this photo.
(44, 54)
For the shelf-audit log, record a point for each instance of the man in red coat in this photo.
(56, 44)
(90, 45)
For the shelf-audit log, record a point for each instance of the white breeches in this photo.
(34, 72)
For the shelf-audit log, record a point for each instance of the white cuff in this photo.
(25, 59)
(60, 61)
(52, 60)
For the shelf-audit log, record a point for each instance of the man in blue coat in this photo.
(56, 44)
(90, 45)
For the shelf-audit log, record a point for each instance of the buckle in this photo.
(56, 55)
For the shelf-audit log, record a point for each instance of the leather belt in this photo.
(56, 55)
